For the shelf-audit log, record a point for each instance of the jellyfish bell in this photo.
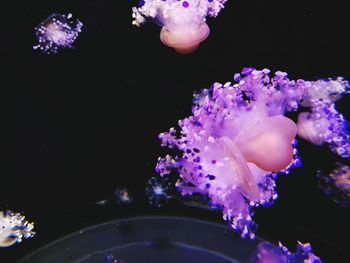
(58, 36)
(184, 40)
(268, 143)
(6, 237)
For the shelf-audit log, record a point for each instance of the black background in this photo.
(78, 124)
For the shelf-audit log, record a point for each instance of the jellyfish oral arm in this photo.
(242, 176)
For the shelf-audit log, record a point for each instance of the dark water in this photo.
(79, 124)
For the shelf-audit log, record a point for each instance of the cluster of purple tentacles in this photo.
(267, 252)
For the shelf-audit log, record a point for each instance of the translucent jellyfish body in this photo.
(269, 253)
(122, 196)
(13, 228)
(158, 191)
(56, 32)
(337, 184)
(238, 140)
(183, 22)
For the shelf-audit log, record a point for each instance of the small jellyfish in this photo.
(122, 196)
(56, 32)
(269, 253)
(183, 22)
(13, 228)
(237, 140)
(337, 184)
(159, 191)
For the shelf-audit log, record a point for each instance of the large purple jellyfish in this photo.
(238, 140)
(56, 32)
(183, 22)
(269, 253)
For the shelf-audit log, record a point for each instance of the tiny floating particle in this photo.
(102, 202)
(56, 32)
(237, 140)
(269, 253)
(183, 23)
(337, 184)
(13, 228)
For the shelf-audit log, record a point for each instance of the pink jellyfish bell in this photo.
(184, 40)
(268, 143)
(183, 23)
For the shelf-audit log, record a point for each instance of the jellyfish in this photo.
(269, 253)
(122, 196)
(111, 259)
(56, 32)
(14, 228)
(337, 184)
(158, 191)
(238, 140)
(323, 123)
(183, 22)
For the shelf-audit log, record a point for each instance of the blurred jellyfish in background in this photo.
(238, 140)
(324, 124)
(183, 22)
(337, 184)
(269, 253)
(14, 228)
(122, 196)
(159, 191)
(111, 259)
(56, 32)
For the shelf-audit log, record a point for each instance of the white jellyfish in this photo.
(13, 228)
